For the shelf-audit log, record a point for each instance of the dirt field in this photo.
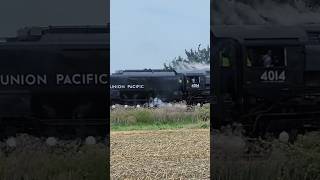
(168, 154)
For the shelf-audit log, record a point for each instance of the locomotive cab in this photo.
(272, 68)
(197, 86)
(226, 67)
(255, 70)
(226, 70)
(195, 81)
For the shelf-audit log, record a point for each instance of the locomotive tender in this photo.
(132, 87)
(273, 81)
(53, 82)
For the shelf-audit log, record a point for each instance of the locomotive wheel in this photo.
(11, 142)
(90, 140)
(10, 131)
(51, 141)
(293, 135)
(50, 132)
(80, 132)
(288, 135)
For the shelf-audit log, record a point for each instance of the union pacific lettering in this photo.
(117, 86)
(135, 86)
(60, 79)
(78, 79)
(129, 86)
(21, 79)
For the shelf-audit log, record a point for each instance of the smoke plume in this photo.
(192, 66)
(259, 12)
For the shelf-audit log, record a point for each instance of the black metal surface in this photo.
(52, 76)
(276, 103)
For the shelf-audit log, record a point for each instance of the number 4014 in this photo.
(273, 76)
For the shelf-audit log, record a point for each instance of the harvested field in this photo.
(166, 154)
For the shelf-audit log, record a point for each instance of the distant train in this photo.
(272, 82)
(132, 87)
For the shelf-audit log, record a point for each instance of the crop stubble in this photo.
(166, 154)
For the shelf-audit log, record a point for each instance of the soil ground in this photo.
(162, 154)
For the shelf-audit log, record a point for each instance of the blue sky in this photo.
(148, 33)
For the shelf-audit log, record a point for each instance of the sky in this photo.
(148, 33)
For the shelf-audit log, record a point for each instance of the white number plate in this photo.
(195, 85)
(273, 76)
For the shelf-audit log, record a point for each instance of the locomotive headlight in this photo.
(180, 80)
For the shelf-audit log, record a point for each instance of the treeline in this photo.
(193, 56)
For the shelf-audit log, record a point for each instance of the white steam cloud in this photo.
(234, 12)
(192, 66)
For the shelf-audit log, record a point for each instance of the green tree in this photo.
(199, 55)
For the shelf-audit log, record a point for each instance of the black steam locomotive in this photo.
(133, 87)
(53, 82)
(272, 82)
